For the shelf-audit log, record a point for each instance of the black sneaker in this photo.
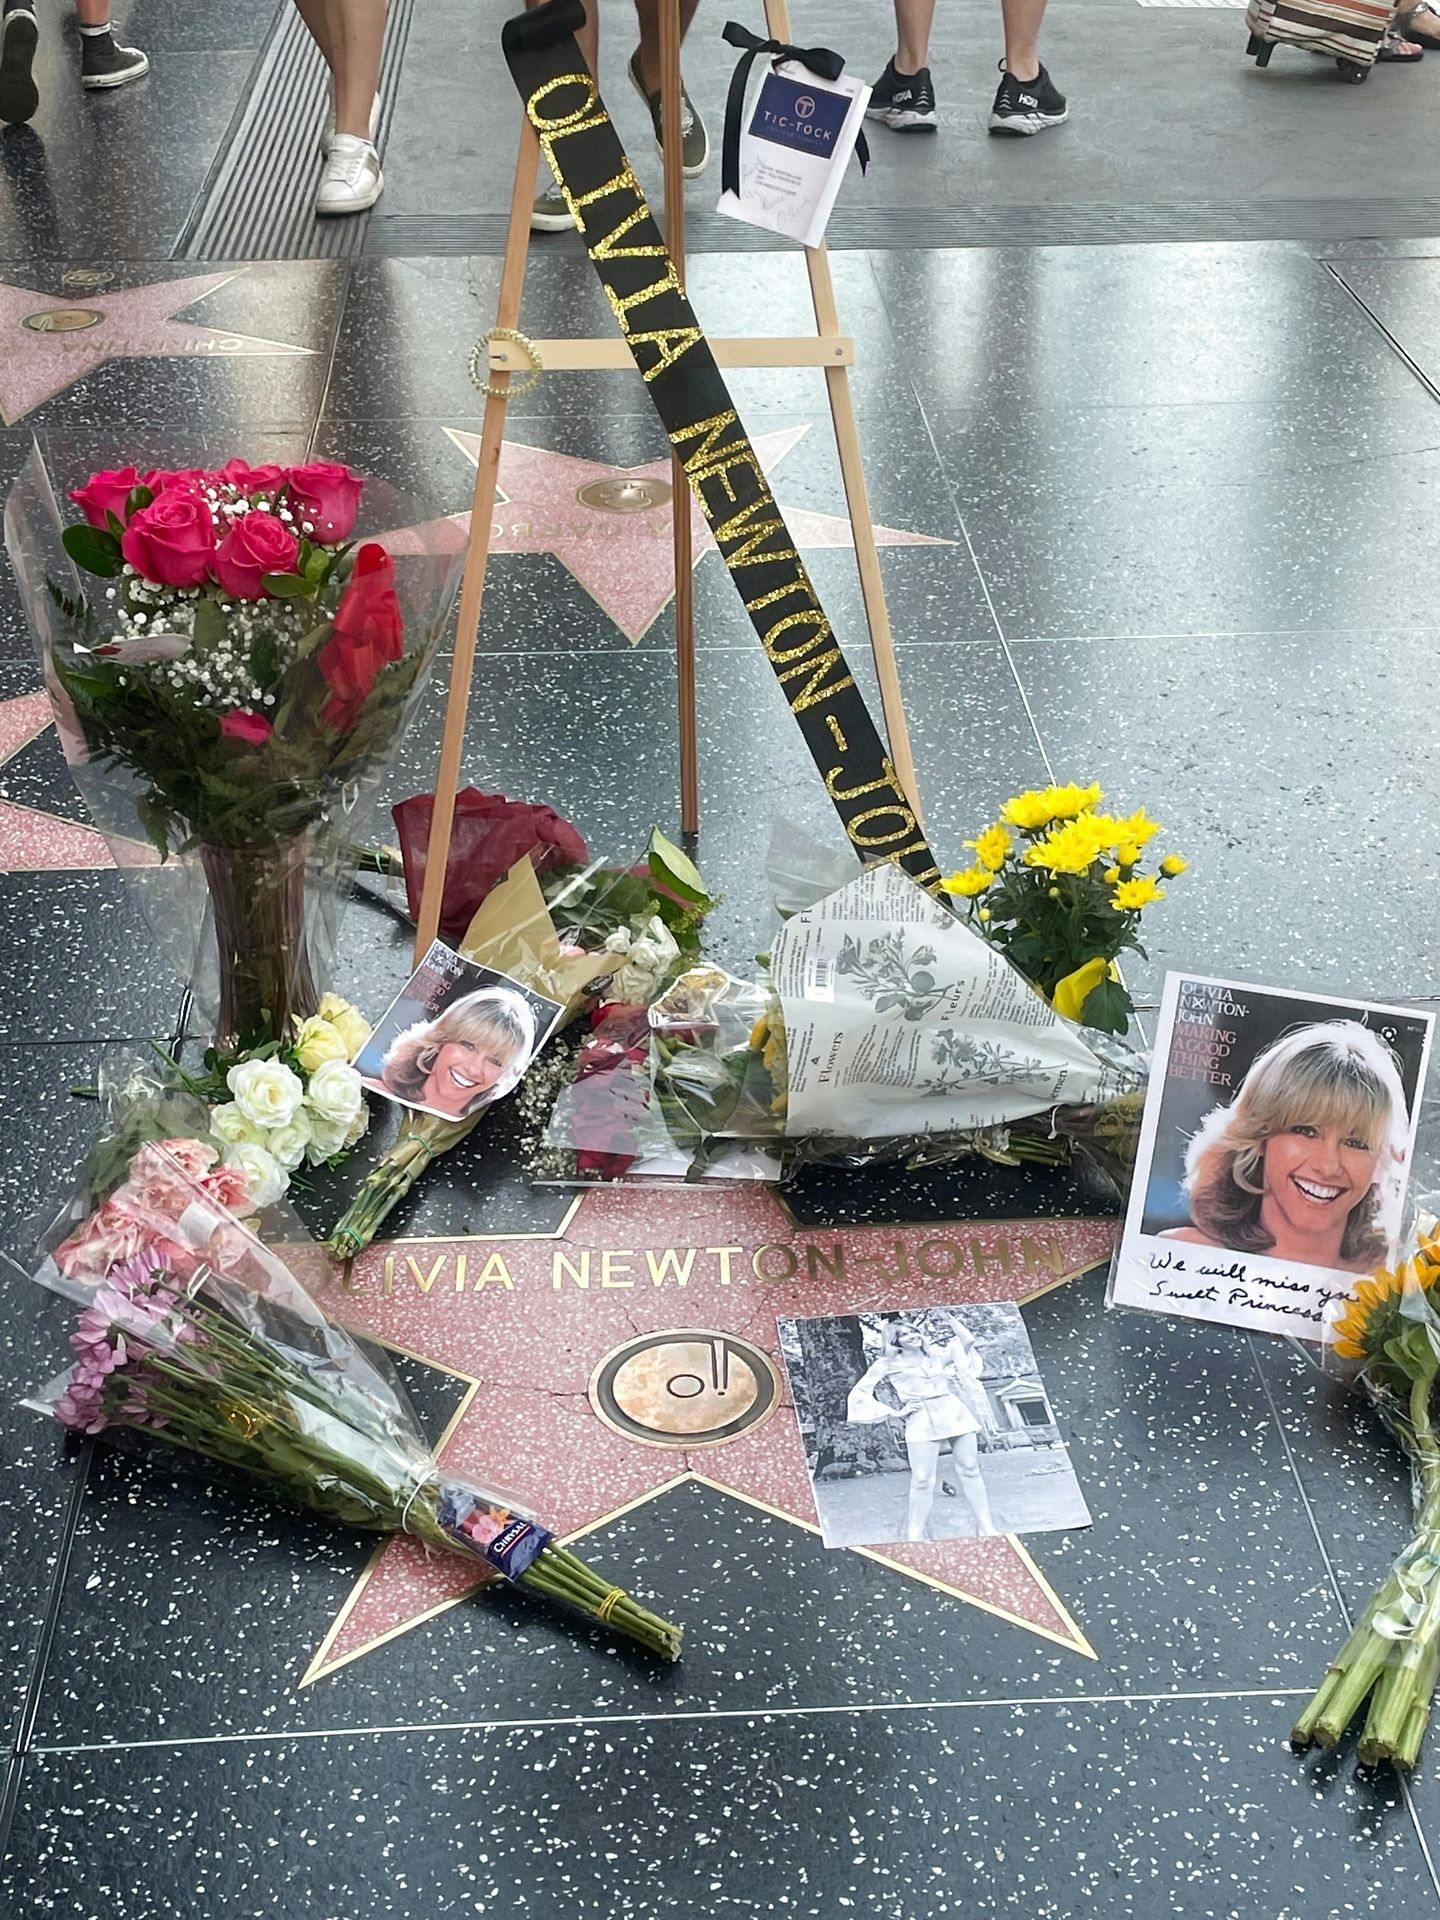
(904, 101)
(105, 63)
(19, 96)
(1026, 106)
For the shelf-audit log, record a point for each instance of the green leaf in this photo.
(156, 822)
(265, 661)
(94, 550)
(210, 624)
(314, 564)
(1107, 1008)
(115, 524)
(137, 498)
(286, 586)
(675, 870)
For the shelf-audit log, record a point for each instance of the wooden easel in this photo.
(827, 348)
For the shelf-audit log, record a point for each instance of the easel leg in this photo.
(482, 518)
(680, 488)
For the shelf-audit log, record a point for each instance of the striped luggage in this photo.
(1349, 32)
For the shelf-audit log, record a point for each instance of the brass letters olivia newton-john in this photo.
(640, 282)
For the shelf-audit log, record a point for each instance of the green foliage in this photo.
(94, 550)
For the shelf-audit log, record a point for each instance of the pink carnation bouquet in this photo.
(228, 682)
(191, 1333)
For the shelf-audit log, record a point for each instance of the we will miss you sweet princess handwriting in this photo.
(1232, 1284)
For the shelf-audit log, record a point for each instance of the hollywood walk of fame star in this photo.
(33, 841)
(611, 526)
(48, 344)
(532, 1323)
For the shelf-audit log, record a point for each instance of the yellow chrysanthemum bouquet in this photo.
(1060, 888)
(1390, 1329)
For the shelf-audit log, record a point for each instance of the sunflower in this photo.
(1373, 1313)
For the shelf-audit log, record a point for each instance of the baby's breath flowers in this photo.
(1388, 1666)
(1062, 892)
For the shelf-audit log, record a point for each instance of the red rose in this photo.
(161, 479)
(241, 724)
(249, 480)
(326, 497)
(106, 493)
(172, 541)
(257, 543)
(489, 835)
(368, 633)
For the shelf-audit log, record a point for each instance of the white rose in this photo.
(348, 1021)
(335, 1094)
(288, 1143)
(264, 1175)
(229, 1126)
(327, 1138)
(646, 965)
(267, 1093)
(316, 1041)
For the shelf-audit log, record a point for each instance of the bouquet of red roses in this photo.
(228, 684)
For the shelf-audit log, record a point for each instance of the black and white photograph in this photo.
(928, 1424)
(456, 1038)
(1275, 1152)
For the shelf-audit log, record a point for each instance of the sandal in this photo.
(1398, 50)
(1421, 24)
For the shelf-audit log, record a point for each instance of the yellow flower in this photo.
(1133, 895)
(1376, 1299)
(1073, 847)
(1074, 990)
(1065, 802)
(1127, 855)
(1139, 830)
(1028, 811)
(1173, 865)
(349, 1022)
(984, 914)
(1112, 874)
(973, 881)
(991, 847)
(316, 1041)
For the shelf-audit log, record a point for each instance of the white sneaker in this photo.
(352, 180)
(327, 132)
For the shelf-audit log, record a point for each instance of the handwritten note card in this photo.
(1274, 1154)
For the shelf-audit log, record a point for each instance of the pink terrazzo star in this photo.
(623, 560)
(526, 1323)
(66, 339)
(36, 842)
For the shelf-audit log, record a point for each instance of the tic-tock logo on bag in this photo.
(791, 114)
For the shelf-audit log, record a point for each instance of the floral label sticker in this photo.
(1274, 1154)
(456, 1038)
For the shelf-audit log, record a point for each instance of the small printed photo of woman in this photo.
(928, 1424)
(470, 1047)
(1305, 1163)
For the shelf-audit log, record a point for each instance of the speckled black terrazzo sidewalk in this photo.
(1197, 573)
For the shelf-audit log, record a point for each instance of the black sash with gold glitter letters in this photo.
(564, 107)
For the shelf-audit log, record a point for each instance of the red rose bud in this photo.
(171, 542)
(368, 633)
(326, 497)
(257, 543)
(490, 833)
(105, 493)
(249, 480)
(241, 724)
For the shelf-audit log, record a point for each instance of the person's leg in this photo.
(551, 211)
(1027, 99)
(972, 1481)
(104, 62)
(316, 15)
(904, 95)
(19, 32)
(356, 34)
(645, 77)
(924, 1460)
(1021, 19)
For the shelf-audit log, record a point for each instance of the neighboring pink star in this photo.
(624, 561)
(137, 323)
(35, 842)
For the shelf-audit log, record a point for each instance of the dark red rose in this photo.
(367, 634)
(610, 1096)
(489, 835)
(106, 493)
(256, 544)
(172, 541)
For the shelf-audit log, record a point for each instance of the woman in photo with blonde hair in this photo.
(1303, 1164)
(937, 1388)
(467, 1056)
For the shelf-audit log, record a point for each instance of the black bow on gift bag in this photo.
(823, 62)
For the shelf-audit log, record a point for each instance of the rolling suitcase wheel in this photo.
(1353, 71)
(1262, 50)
